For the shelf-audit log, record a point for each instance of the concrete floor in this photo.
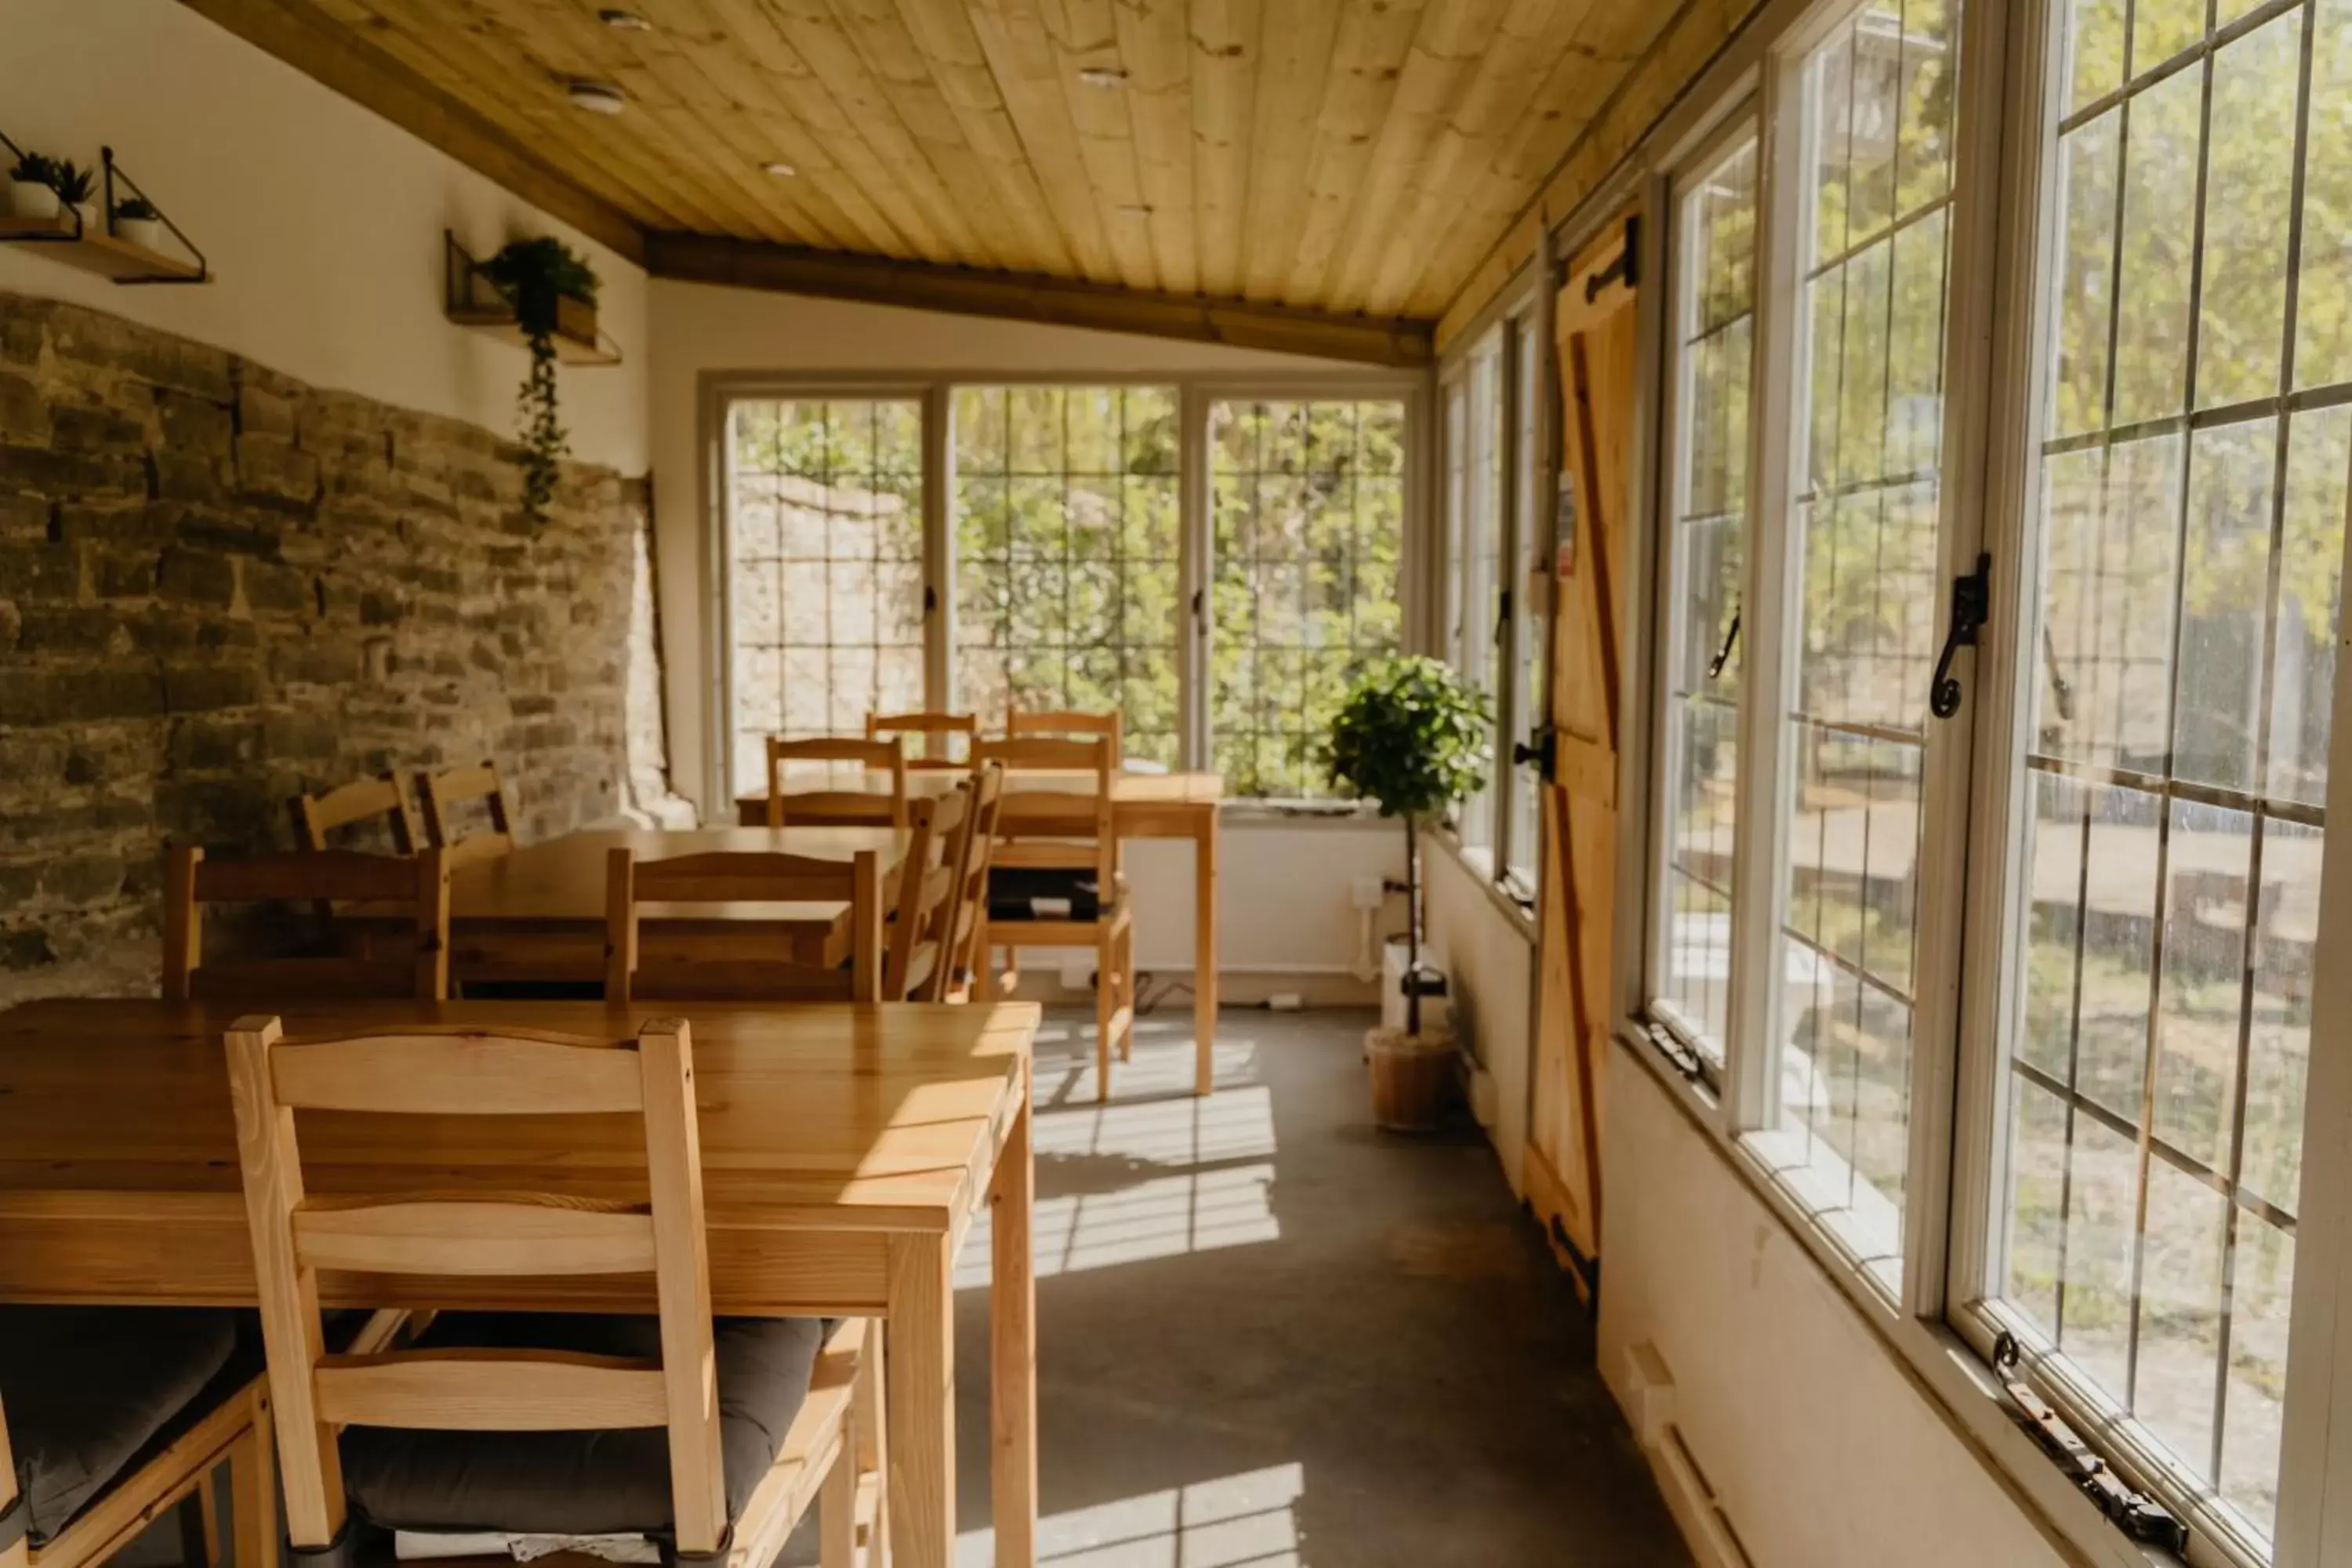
(1269, 1335)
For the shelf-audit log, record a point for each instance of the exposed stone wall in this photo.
(219, 588)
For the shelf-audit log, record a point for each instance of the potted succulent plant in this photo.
(1412, 737)
(75, 186)
(33, 186)
(137, 220)
(554, 291)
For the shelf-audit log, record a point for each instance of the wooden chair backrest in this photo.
(922, 916)
(322, 877)
(881, 726)
(972, 858)
(1066, 826)
(820, 805)
(316, 815)
(704, 965)
(453, 787)
(447, 1072)
(1068, 724)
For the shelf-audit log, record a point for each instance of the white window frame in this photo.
(1738, 121)
(1934, 1324)
(1520, 693)
(1196, 392)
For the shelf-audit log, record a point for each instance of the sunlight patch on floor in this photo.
(1245, 1520)
(1146, 1177)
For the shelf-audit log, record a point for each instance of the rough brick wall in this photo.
(219, 588)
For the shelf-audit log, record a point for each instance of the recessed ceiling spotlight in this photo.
(1103, 76)
(596, 97)
(626, 21)
(781, 170)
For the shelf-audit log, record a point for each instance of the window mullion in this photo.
(939, 548)
(1193, 574)
(1777, 376)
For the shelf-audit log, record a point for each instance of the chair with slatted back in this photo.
(418, 884)
(814, 807)
(453, 787)
(1069, 725)
(112, 1416)
(973, 858)
(706, 1437)
(379, 799)
(676, 956)
(930, 736)
(922, 915)
(1056, 880)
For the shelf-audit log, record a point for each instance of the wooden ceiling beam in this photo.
(341, 61)
(1023, 296)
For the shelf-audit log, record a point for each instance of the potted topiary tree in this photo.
(1412, 737)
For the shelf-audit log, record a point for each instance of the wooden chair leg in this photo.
(1122, 966)
(1104, 1003)
(199, 1515)
(253, 1491)
(836, 1519)
(868, 1410)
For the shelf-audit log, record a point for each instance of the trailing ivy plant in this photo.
(535, 275)
(1412, 737)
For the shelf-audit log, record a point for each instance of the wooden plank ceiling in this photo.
(1348, 157)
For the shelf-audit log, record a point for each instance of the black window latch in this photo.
(1971, 603)
(2136, 1514)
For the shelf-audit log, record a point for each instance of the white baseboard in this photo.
(1041, 982)
(1648, 1398)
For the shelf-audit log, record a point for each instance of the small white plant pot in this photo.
(91, 222)
(147, 233)
(31, 198)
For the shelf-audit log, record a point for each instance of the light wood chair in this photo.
(818, 806)
(922, 915)
(883, 726)
(455, 786)
(547, 1437)
(324, 879)
(108, 1456)
(1066, 724)
(702, 960)
(378, 798)
(974, 860)
(1067, 829)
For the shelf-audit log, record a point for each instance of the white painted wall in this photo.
(1283, 892)
(1822, 1452)
(323, 221)
(1489, 963)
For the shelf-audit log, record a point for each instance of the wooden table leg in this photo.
(919, 1392)
(1012, 1351)
(1204, 952)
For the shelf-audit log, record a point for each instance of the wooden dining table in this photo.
(1143, 806)
(845, 1151)
(537, 913)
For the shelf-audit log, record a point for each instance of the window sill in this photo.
(1479, 862)
(1947, 1372)
(1308, 814)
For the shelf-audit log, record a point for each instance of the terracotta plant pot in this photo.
(1413, 1078)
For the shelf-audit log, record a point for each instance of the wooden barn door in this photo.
(1596, 336)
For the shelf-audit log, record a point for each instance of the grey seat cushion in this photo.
(581, 1483)
(88, 1388)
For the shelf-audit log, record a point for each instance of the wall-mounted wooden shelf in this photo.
(91, 245)
(476, 303)
(90, 248)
